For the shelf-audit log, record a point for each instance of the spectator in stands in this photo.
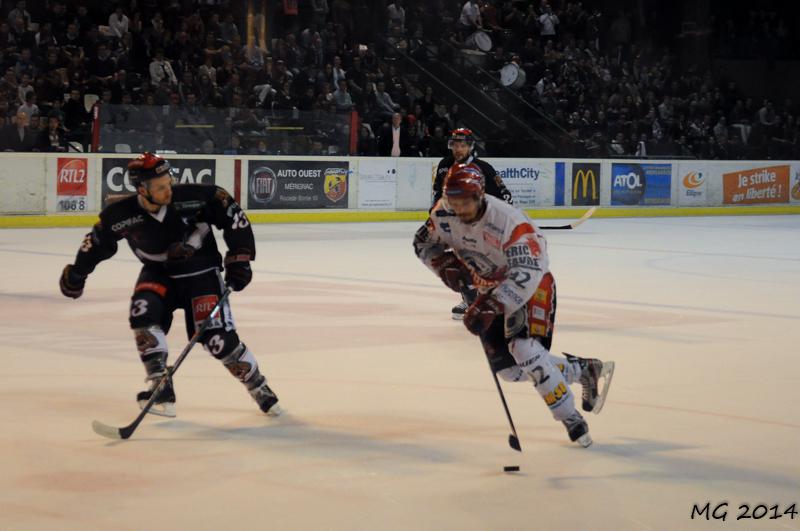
(75, 116)
(470, 19)
(397, 18)
(548, 23)
(54, 138)
(118, 22)
(321, 11)
(437, 144)
(17, 136)
(101, 69)
(21, 13)
(161, 70)
(228, 29)
(395, 140)
(29, 107)
(235, 146)
(384, 104)
(25, 64)
(344, 102)
(617, 146)
(766, 114)
(366, 142)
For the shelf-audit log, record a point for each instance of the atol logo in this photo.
(628, 184)
(335, 184)
(631, 181)
(201, 308)
(72, 177)
(693, 179)
(263, 184)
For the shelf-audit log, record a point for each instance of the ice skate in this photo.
(165, 402)
(578, 430)
(266, 399)
(592, 371)
(459, 310)
(593, 395)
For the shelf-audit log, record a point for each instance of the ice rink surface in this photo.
(393, 421)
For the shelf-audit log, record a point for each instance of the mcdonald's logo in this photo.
(586, 184)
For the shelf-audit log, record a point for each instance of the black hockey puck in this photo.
(510, 469)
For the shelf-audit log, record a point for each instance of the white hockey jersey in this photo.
(504, 250)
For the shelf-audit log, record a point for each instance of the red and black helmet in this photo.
(462, 134)
(147, 166)
(464, 180)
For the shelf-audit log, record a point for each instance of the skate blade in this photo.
(607, 373)
(584, 440)
(275, 411)
(165, 409)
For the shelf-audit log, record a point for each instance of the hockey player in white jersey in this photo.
(473, 239)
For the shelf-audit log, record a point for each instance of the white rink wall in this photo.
(50, 184)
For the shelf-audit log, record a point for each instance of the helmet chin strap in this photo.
(149, 198)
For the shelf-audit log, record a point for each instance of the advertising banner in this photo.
(530, 181)
(297, 184)
(749, 186)
(116, 184)
(72, 185)
(641, 184)
(693, 180)
(794, 193)
(585, 178)
(377, 184)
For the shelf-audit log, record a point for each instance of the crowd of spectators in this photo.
(608, 82)
(753, 31)
(191, 76)
(200, 75)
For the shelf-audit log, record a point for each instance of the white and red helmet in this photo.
(464, 180)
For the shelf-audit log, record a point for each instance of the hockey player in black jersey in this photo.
(169, 228)
(462, 151)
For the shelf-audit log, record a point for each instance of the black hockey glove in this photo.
(452, 271)
(71, 283)
(481, 313)
(238, 273)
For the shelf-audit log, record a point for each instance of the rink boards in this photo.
(69, 189)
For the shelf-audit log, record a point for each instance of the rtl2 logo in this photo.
(72, 175)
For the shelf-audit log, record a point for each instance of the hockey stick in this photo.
(575, 223)
(123, 433)
(513, 439)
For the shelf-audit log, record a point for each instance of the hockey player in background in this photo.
(462, 149)
(169, 229)
(473, 238)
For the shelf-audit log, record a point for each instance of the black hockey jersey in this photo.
(494, 184)
(188, 219)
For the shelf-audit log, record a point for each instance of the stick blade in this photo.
(107, 431)
(513, 442)
(583, 218)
